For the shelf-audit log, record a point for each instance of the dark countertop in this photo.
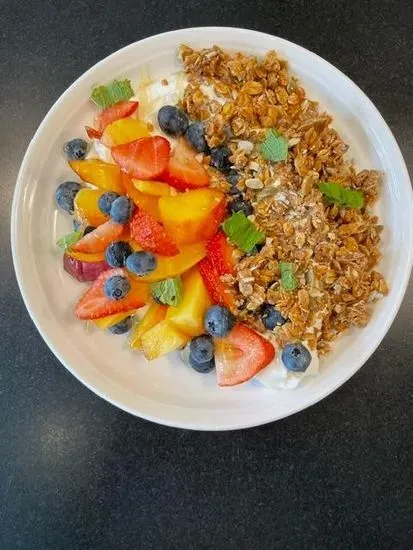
(75, 472)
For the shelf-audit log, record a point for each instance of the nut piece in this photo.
(254, 183)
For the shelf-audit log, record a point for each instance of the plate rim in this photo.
(20, 272)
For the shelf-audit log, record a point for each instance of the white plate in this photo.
(166, 391)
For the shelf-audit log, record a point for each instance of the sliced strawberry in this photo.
(151, 235)
(92, 133)
(95, 304)
(145, 158)
(122, 109)
(240, 355)
(98, 239)
(219, 251)
(183, 170)
(217, 290)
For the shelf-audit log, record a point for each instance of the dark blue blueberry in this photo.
(105, 202)
(88, 229)
(240, 205)
(141, 263)
(195, 134)
(172, 120)
(201, 348)
(271, 317)
(117, 253)
(122, 209)
(75, 149)
(117, 287)
(220, 158)
(233, 177)
(296, 357)
(218, 321)
(122, 327)
(203, 368)
(65, 195)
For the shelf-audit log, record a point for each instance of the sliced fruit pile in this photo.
(147, 232)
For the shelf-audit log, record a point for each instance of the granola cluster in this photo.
(334, 250)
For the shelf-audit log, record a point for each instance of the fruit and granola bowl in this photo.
(220, 230)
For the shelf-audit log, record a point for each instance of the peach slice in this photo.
(102, 174)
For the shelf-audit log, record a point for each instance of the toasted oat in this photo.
(334, 250)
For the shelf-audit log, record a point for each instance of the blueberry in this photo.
(271, 317)
(123, 326)
(233, 178)
(220, 158)
(296, 357)
(172, 120)
(141, 263)
(201, 348)
(65, 195)
(117, 253)
(117, 287)
(76, 224)
(75, 149)
(218, 321)
(195, 134)
(202, 368)
(105, 202)
(88, 229)
(122, 209)
(241, 205)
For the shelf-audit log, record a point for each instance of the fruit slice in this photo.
(183, 170)
(219, 251)
(161, 339)
(153, 316)
(145, 158)
(188, 316)
(122, 109)
(151, 235)
(176, 265)
(99, 173)
(217, 290)
(124, 130)
(87, 208)
(82, 257)
(155, 188)
(94, 304)
(92, 133)
(240, 355)
(145, 202)
(106, 322)
(192, 216)
(81, 270)
(98, 239)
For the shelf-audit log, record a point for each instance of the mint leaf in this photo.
(334, 193)
(288, 280)
(242, 232)
(118, 90)
(275, 146)
(69, 240)
(168, 291)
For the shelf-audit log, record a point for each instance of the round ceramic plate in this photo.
(166, 391)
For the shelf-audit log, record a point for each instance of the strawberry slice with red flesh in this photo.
(98, 239)
(151, 235)
(217, 290)
(121, 109)
(219, 251)
(92, 133)
(95, 304)
(240, 355)
(183, 170)
(145, 158)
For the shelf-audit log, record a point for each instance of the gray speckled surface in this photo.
(77, 473)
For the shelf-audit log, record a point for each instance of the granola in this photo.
(334, 250)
